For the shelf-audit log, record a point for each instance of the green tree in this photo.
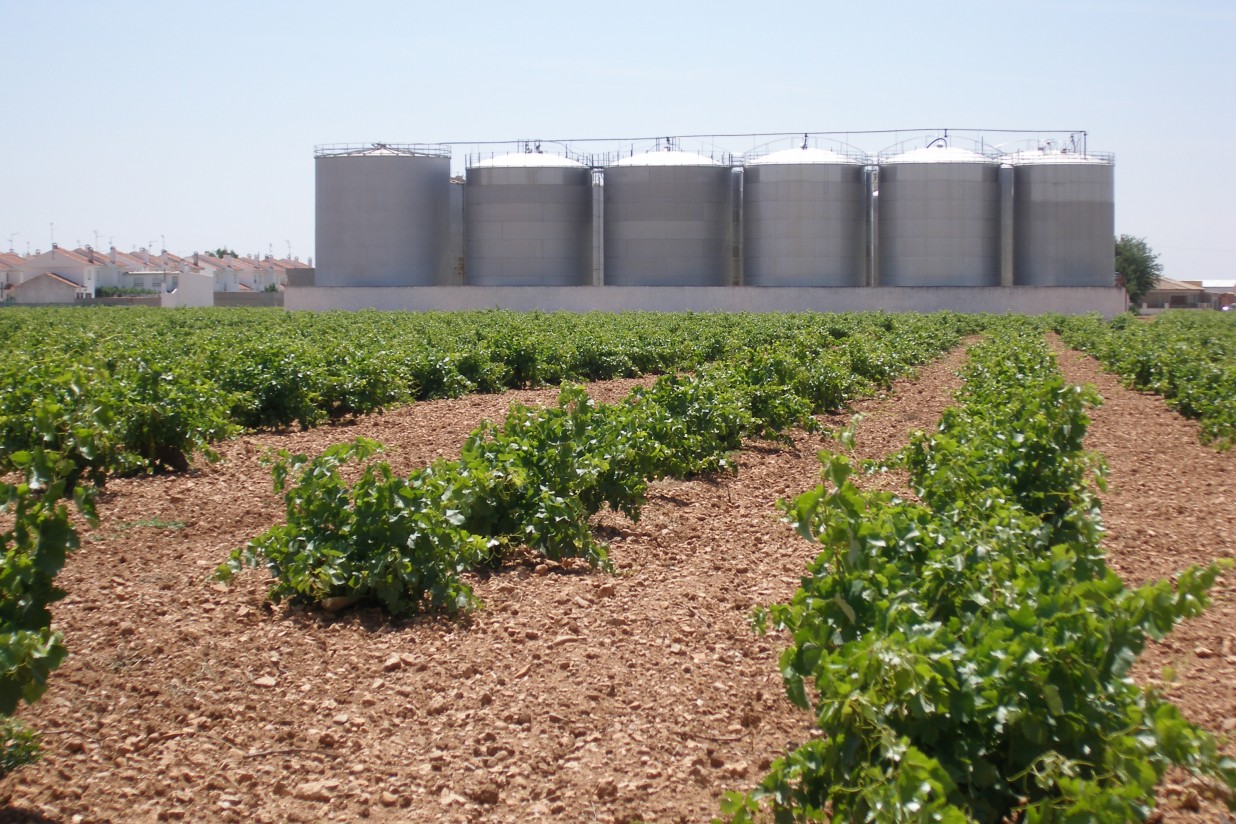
(1138, 266)
(223, 252)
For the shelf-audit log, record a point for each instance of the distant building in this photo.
(47, 288)
(1177, 294)
(82, 270)
(1220, 296)
(8, 276)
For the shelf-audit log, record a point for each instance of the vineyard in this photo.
(536, 602)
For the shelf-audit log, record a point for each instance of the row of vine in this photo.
(967, 654)
(536, 479)
(1188, 357)
(139, 390)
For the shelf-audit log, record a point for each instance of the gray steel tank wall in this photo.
(667, 226)
(939, 225)
(804, 225)
(528, 226)
(381, 221)
(1064, 224)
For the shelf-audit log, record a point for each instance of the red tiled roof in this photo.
(126, 259)
(64, 254)
(1170, 285)
(55, 277)
(71, 255)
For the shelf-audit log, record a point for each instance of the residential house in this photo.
(230, 273)
(8, 273)
(1176, 294)
(80, 269)
(46, 288)
(154, 273)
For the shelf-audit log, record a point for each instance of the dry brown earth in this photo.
(573, 696)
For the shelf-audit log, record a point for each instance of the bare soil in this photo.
(573, 695)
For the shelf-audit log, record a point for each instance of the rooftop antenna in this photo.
(96, 238)
(289, 243)
(163, 244)
(15, 234)
(52, 232)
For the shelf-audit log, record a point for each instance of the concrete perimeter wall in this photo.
(131, 300)
(256, 298)
(1108, 301)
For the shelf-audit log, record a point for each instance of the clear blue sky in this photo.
(196, 121)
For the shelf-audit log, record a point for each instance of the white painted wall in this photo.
(42, 290)
(194, 289)
(1108, 301)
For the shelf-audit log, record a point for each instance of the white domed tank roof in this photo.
(790, 157)
(674, 158)
(939, 154)
(529, 160)
(1026, 158)
(381, 150)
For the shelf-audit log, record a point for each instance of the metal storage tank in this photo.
(804, 219)
(939, 219)
(667, 221)
(1063, 219)
(382, 215)
(528, 220)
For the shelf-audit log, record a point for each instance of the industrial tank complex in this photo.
(829, 226)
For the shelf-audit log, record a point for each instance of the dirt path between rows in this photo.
(1171, 502)
(573, 696)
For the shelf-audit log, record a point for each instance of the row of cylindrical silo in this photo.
(946, 217)
(938, 216)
